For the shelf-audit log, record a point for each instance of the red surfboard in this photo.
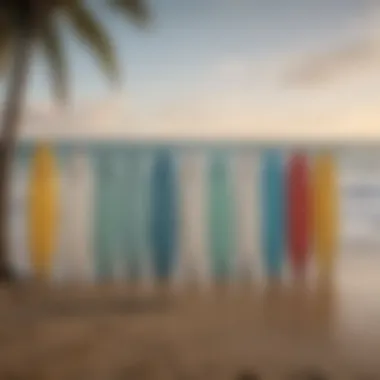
(298, 213)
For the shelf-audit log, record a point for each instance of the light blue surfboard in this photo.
(164, 214)
(273, 202)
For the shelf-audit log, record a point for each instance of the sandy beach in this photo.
(115, 332)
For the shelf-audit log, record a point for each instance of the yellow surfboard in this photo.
(325, 213)
(43, 210)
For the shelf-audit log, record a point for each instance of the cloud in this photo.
(233, 68)
(94, 118)
(222, 116)
(357, 56)
(246, 71)
(352, 59)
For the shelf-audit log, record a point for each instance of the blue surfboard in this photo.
(220, 217)
(164, 214)
(273, 213)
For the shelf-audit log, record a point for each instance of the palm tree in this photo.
(24, 26)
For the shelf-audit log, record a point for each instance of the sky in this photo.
(228, 69)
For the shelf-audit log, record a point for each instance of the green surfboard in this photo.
(221, 234)
(110, 255)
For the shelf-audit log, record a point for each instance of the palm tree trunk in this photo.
(11, 118)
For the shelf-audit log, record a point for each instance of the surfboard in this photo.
(77, 219)
(298, 213)
(145, 272)
(110, 255)
(19, 257)
(164, 214)
(247, 197)
(220, 200)
(136, 217)
(117, 216)
(193, 266)
(273, 193)
(325, 212)
(43, 210)
(102, 262)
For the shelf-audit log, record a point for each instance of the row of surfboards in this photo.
(195, 215)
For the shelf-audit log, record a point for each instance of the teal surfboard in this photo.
(273, 196)
(221, 221)
(110, 255)
(137, 206)
(193, 265)
(164, 214)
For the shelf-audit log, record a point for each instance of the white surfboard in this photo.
(193, 265)
(75, 262)
(19, 257)
(248, 263)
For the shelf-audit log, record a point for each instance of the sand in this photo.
(115, 332)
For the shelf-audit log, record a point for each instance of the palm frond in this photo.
(5, 46)
(91, 32)
(136, 10)
(51, 41)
